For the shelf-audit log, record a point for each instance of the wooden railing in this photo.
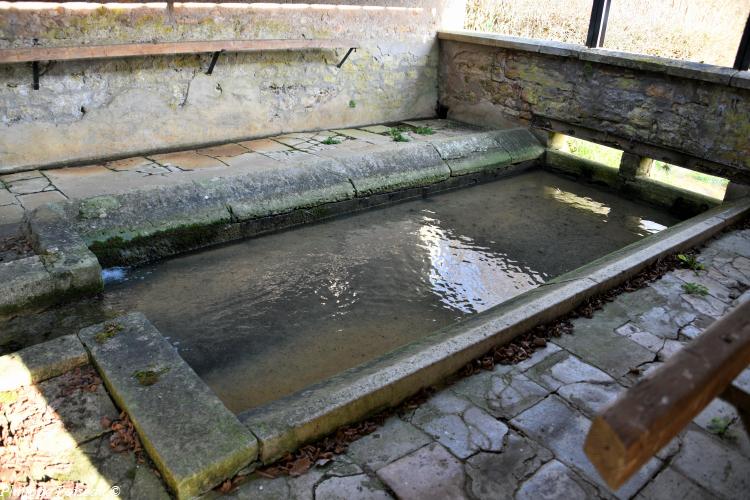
(650, 414)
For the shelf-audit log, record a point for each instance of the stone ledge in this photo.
(41, 362)
(193, 439)
(681, 69)
(286, 424)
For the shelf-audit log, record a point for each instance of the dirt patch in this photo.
(14, 247)
(27, 422)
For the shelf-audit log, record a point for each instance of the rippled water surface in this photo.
(265, 317)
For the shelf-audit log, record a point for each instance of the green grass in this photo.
(592, 151)
(424, 130)
(690, 180)
(398, 134)
(694, 289)
(720, 426)
(352, 104)
(330, 141)
(690, 261)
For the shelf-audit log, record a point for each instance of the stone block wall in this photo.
(693, 112)
(96, 109)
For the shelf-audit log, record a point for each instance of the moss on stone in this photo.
(109, 331)
(149, 377)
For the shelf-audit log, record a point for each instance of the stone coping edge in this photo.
(41, 362)
(193, 439)
(62, 268)
(673, 67)
(284, 425)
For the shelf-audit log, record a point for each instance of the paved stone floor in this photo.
(28, 190)
(518, 431)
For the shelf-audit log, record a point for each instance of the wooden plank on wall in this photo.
(30, 54)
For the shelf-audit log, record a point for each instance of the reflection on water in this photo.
(265, 317)
(469, 277)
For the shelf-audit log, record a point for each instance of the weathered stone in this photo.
(11, 214)
(597, 344)
(552, 481)
(81, 414)
(496, 476)
(634, 333)
(639, 94)
(351, 487)
(717, 468)
(187, 160)
(34, 200)
(520, 144)
(563, 431)
(428, 473)
(538, 356)
(6, 197)
(722, 420)
(364, 136)
(459, 426)
(191, 456)
(23, 281)
(264, 145)
(391, 168)
(502, 394)
(28, 186)
(41, 362)
(393, 440)
(671, 484)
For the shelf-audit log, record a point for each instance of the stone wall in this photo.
(686, 113)
(112, 108)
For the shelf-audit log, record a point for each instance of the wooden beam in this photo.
(650, 414)
(31, 54)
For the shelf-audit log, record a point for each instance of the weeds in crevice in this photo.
(398, 135)
(694, 289)
(690, 261)
(110, 330)
(424, 130)
(331, 140)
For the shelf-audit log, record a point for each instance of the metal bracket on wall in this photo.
(214, 58)
(351, 49)
(35, 74)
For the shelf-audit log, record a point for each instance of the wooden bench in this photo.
(650, 414)
(35, 55)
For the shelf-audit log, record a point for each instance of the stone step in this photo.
(190, 435)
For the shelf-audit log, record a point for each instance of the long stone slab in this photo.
(23, 282)
(41, 362)
(393, 167)
(288, 423)
(192, 438)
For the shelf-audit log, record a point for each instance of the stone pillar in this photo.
(632, 166)
(735, 191)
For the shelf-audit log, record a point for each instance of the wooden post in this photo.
(650, 414)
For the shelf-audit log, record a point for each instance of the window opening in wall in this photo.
(690, 180)
(590, 151)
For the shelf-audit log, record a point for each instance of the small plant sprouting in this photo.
(398, 135)
(690, 261)
(720, 427)
(149, 377)
(424, 130)
(110, 330)
(352, 104)
(330, 140)
(694, 289)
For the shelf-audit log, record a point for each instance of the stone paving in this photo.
(518, 431)
(28, 190)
